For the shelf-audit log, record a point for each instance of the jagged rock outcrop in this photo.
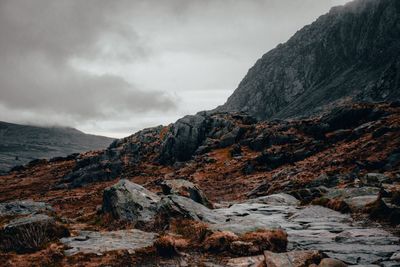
(350, 54)
(197, 134)
(180, 141)
(280, 143)
(184, 138)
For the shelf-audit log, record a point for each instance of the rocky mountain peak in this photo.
(348, 54)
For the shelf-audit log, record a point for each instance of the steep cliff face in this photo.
(350, 54)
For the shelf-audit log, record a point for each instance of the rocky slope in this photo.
(225, 189)
(218, 189)
(20, 144)
(350, 54)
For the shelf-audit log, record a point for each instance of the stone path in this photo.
(308, 228)
(316, 228)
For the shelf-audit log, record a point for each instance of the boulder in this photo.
(178, 207)
(187, 189)
(131, 202)
(184, 137)
(31, 233)
(292, 259)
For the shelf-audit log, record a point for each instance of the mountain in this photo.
(350, 54)
(20, 144)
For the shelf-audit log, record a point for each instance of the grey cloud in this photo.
(99, 64)
(37, 41)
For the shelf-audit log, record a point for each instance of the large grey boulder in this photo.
(187, 189)
(131, 202)
(31, 233)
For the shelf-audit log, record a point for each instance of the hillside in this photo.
(217, 190)
(20, 144)
(350, 54)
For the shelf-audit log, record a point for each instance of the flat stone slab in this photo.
(340, 237)
(100, 242)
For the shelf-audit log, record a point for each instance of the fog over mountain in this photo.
(115, 67)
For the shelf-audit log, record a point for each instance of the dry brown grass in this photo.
(273, 240)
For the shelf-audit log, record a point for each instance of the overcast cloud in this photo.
(114, 67)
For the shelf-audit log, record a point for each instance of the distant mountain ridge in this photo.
(350, 54)
(20, 144)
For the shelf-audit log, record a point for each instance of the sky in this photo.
(115, 67)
